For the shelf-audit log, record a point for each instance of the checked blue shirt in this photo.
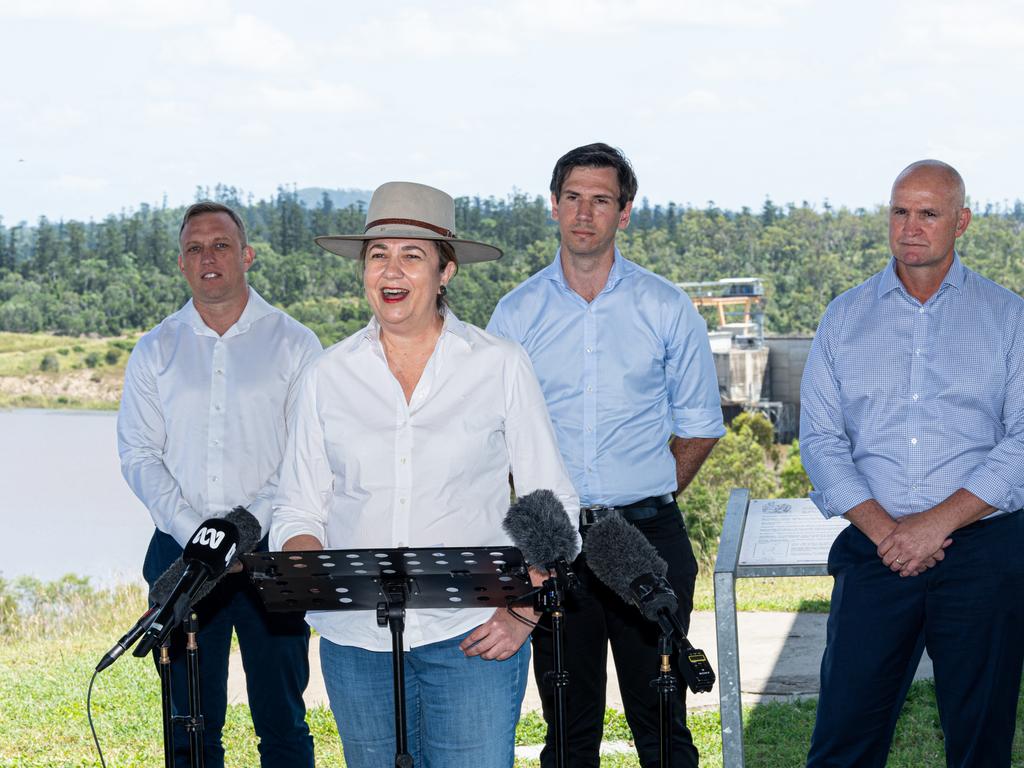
(906, 402)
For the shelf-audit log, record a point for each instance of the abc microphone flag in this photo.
(207, 555)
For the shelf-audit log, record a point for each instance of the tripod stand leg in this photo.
(665, 682)
(194, 722)
(561, 682)
(394, 615)
(164, 668)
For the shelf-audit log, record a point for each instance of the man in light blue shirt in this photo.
(912, 427)
(625, 365)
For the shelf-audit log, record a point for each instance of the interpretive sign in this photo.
(760, 537)
(787, 532)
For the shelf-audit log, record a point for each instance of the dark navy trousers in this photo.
(968, 611)
(275, 655)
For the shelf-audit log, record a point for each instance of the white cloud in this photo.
(501, 30)
(419, 33)
(701, 100)
(611, 16)
(83, 184)
(317, 97)
(145, 14)
(239, 42)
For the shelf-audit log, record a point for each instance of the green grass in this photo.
(22, 354)
(51, 636)
(806, 594)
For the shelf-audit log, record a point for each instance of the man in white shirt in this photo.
(201, 429)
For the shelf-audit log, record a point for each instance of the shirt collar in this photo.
(890, 281)
(452, 325)
(620, 270)
(255, 308)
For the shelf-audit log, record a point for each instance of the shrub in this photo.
(63, 351)
(44, 603)
(759, 426)
(112, 356)
(795, 483)
(92, 359)
(737, 461)
(49, 362)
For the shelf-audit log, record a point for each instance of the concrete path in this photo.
(780, 657)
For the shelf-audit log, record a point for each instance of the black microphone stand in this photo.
(665, 684)
(193, 721)
(693, 666)
(550, 600)
(163, 665)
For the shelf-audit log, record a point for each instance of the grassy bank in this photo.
(41, 370)
(53, 634)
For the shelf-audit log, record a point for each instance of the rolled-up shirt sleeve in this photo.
(695, 405)
(141, 437)
(825, 448)
(305, 484)
(999, 479)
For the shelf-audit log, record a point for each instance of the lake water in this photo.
(64, 507)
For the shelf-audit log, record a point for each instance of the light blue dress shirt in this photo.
(906, 402)
(620, 375)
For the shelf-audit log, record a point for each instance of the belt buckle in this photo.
(591, 514)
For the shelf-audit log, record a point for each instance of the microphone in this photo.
(540, 528)
(248, 538)
(168, 592)
(626, 563)
(206, 557)
(128, 639)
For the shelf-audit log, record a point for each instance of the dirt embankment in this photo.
(71, 388)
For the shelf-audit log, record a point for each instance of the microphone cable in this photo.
(88, 713)
(518, 616)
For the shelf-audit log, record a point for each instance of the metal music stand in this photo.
(388, 581)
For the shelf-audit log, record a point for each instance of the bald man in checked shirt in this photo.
(912, 427)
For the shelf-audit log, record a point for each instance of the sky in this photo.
(109, 104)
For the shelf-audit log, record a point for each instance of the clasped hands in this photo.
(914, 544)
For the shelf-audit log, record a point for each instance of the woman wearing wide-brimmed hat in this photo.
(405, 434)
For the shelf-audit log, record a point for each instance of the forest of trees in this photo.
(120, 274)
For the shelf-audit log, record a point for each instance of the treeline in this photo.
(121, 274)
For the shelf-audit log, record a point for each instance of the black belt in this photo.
(638, 510)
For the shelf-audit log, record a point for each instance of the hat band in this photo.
(411, 222)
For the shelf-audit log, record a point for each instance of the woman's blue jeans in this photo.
(462, 711)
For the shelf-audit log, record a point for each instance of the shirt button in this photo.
(913, 441)
(401, 500)
(218, 407)
(589, 429)
(921, 310)
(589, 350)
(913, 487)
(215, 442)
(917, 351)
(590, 388)
(915, 395)
(220, 371)
(213, 478)
(402, 459)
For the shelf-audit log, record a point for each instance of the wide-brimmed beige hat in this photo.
(402, 209)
